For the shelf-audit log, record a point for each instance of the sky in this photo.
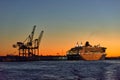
(65, 22)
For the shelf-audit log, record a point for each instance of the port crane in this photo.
(29, 47)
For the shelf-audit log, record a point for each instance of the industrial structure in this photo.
(29, 47)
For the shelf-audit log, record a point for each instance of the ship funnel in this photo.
(81, 44)
(77, 44)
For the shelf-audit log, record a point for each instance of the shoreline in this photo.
(41, 58)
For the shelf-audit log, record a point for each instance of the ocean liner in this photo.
(86, 52)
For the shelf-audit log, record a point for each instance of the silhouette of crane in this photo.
(29, 47)
(37, 42)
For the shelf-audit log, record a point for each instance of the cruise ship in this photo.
(86, 52)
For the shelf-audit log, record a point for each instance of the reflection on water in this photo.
(60, 70)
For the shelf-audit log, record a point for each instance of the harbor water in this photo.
(61, 70)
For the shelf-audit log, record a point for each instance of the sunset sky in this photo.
(65, 23)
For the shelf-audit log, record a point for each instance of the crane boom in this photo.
(39, 38)
(31, 36)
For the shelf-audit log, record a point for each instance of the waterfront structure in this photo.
(29, 47)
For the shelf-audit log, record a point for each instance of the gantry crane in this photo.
(29, 47)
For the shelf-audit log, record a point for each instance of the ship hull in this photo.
(74, 57)
(87, 57)
(93, 56)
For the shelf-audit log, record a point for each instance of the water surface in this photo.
(60, 70)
